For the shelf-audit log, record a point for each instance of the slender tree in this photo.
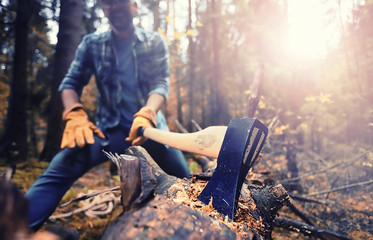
(157, 15)
(191, 75)
(217, 101)
(69, 36)
(13, 143)
(177, 68)
(153, 6)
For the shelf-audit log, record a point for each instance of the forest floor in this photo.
(348, 211)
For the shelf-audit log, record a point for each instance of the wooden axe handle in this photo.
(206, 142)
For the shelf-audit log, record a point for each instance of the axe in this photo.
(235, 146)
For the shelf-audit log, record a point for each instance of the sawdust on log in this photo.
(187, 194)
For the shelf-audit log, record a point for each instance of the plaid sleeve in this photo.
(80, 70)
(159, 83)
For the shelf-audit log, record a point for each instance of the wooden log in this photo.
(165, 207)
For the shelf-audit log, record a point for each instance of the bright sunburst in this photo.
(312, 28)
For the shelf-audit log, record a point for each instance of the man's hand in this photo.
(78, 130)
(144, 118)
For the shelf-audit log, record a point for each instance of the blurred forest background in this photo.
(316, 95)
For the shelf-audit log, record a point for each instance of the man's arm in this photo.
(159, 89)
(155, 101)
(146, 117)
(69, 98)
(159, 81)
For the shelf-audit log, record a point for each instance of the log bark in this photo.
(165, 207)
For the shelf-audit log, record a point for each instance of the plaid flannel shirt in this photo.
(96, 55)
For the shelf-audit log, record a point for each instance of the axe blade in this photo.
(242, 144)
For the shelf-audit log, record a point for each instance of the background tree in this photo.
(13, 143)
(153, 8)
(177, 97)
(7, 14)
(216, 84)
(191, 65)
(69, 36)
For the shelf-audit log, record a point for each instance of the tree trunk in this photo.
(291, 157)
(13, 144)
(180, 114)
(69, 35)
(191, 64)
(217, 106)
(178, 71)
(157, 15)
(256, 91)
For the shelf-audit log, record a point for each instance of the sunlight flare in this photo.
(307, 34)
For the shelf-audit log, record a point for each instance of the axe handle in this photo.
(206, 142)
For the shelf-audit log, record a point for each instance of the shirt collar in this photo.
(138, 34)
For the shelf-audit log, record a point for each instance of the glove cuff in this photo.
(148, 113)
(71, 108)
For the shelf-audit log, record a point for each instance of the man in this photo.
(131, 68)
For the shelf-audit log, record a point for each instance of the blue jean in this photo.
(70, 164)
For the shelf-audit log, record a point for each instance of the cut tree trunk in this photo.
(160, 206)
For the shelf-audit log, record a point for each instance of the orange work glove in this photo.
(78, 128)
(144, 118)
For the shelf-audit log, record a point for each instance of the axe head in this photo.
(242, 143)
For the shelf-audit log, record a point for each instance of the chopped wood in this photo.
(173, 211)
